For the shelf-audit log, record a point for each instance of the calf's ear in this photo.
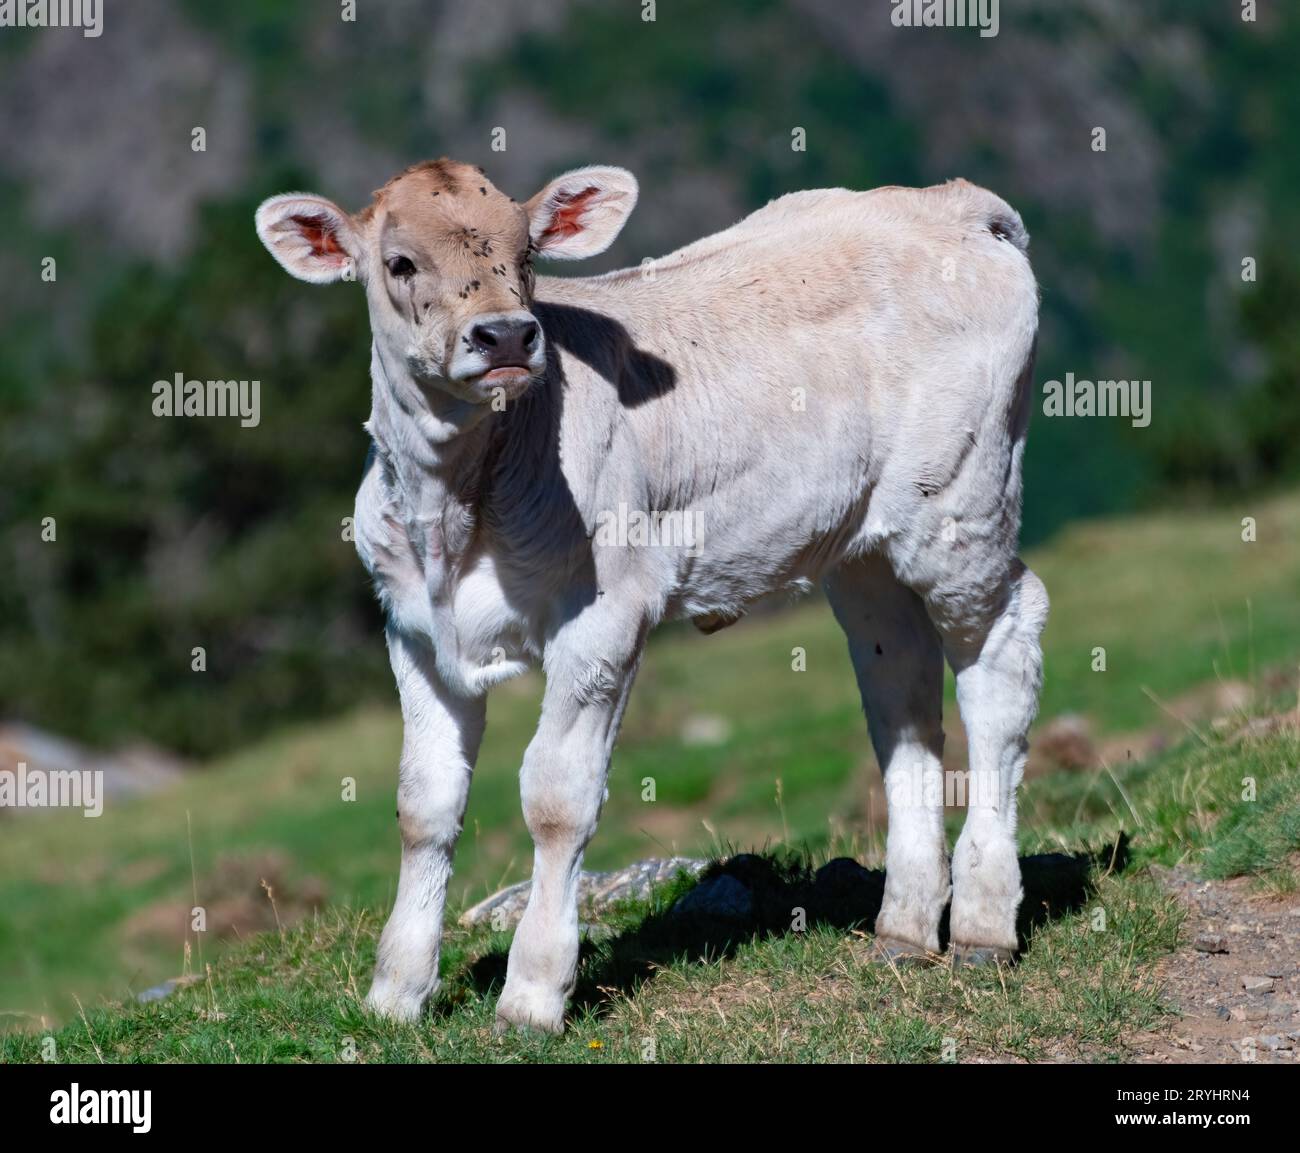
(580, 213)
(311, 237)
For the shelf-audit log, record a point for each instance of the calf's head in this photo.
(446, 260)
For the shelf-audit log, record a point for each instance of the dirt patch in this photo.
(244, 893)
(1234, 979)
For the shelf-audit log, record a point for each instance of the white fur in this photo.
(837, 387)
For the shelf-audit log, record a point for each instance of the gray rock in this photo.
(1210, 943)
(164, 990)
(597, 892)
(1274, 1042)
(131, 771)
(1257, 984)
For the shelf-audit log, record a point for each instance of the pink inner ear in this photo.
(566, 217)
(317, 232)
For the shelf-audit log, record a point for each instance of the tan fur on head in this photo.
(446, 259)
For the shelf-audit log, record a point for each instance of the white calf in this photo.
(835, 388)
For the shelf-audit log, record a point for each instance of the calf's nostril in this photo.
(506, 342)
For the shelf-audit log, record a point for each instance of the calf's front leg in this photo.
(590, 667)
(440, 742)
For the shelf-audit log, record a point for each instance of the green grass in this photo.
(1231, 805)
(652, 990)
(805, 997)
(93, 910)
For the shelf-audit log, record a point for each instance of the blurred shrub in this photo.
(176, 533)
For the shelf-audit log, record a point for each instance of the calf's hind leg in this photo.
(999, 667)
(898, 660)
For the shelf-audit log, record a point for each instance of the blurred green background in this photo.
(173, 534)
(177, 533)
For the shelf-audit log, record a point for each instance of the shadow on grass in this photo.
(751, 895)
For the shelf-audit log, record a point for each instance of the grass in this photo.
(805, 997)
(1228, 804)
(655, 990)
(97, 909)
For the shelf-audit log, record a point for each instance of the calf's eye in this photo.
(400, 267)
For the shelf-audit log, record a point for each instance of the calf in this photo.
(837, 388)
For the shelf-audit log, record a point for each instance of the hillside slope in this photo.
(742, 750)
(654, 986)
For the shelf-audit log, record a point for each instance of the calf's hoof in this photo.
(976, 956)
(895, 951)
(385, 1000)
(529, 1011)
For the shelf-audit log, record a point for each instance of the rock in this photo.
(634, 882)
(1232, 696)
(156, 992)
(1249, 1013)
(1223, 1014)
(1257, 984)
(1210, 943)
(130, 771)
(597, 892)
(1274, 1042)
(164, 990)
(1066, 741)
(1265, 726)
(721, 897)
